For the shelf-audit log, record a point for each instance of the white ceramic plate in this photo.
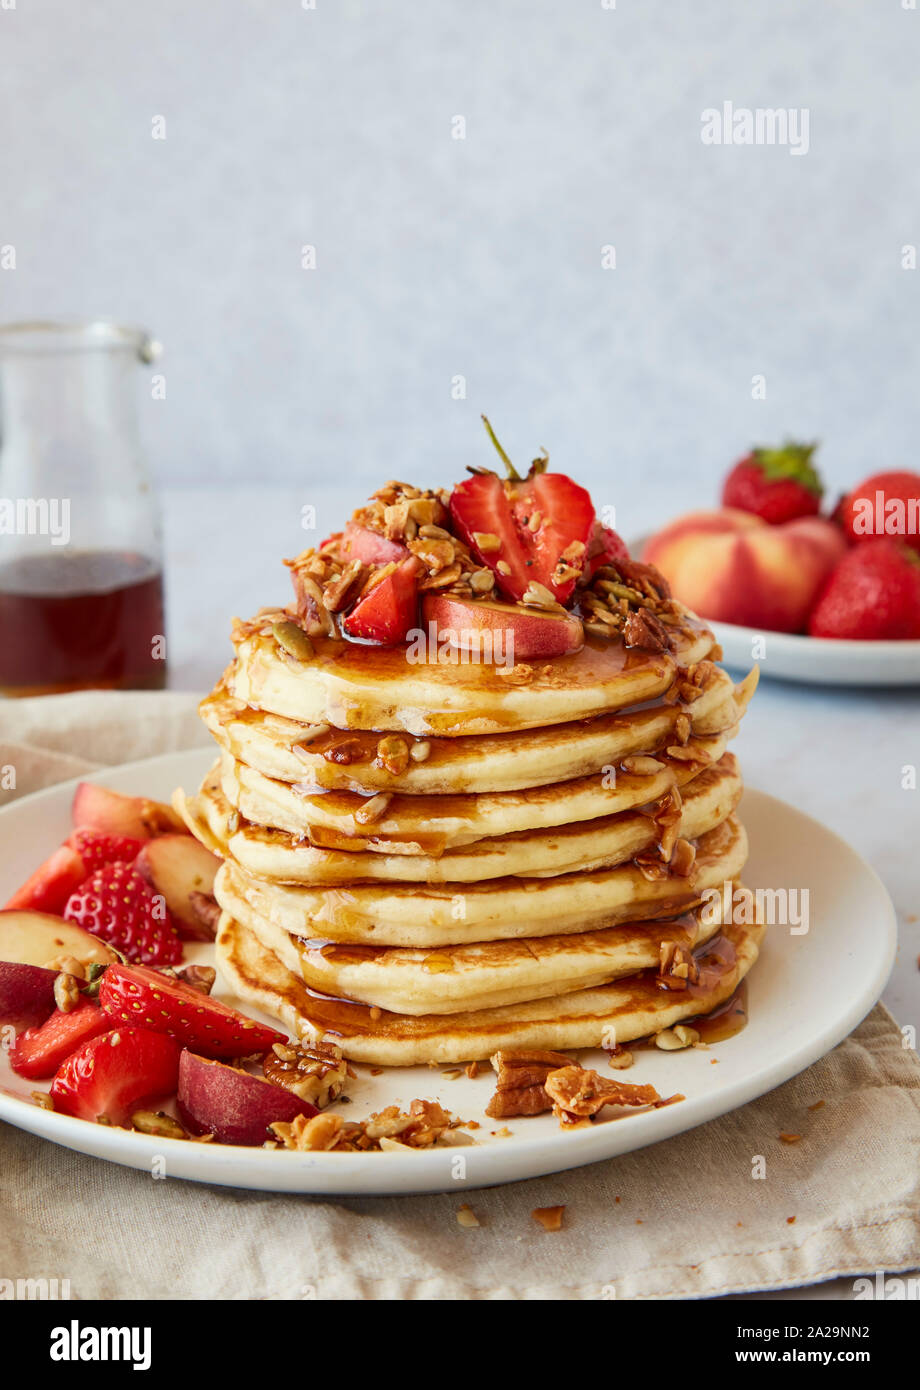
(807, 992)
(819, 660)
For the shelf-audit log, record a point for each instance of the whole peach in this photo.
(732, 567)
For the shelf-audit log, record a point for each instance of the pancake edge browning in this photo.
(623, 1012)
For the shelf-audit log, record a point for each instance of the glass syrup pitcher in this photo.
(81, 580)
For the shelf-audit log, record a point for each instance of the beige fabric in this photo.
(706, 1225)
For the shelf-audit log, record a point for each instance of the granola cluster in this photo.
(425, 1125)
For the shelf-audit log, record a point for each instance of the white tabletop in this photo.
(836, 753)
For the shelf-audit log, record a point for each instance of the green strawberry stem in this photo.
(513, 474)
(792, 461)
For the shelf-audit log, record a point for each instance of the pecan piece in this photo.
(643, 629)
(577, 1091)
(519, 1084)
(316, 1072)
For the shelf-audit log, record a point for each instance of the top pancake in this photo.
(355, 686)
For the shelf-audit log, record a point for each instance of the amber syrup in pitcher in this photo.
(80, 621)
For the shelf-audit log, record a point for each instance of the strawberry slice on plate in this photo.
(112, 1074)
(386, 612)
(39, 1052)
(96, 848)
(118, 905)
(143, 998)
(527, 530)
(52, 883)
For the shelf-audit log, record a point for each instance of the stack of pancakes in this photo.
(429, 862)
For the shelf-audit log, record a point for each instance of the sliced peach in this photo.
(183, 871)
(361, 543)
(502, 631)
(233, 1105)
(37, 938)
(100, 808)
(26, 993)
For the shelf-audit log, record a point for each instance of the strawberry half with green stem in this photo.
(143, 998)
(526, 530)
(872, 595)
(777, 485)
(111, 1075)
(120, 907)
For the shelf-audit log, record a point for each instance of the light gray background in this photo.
(480, 257)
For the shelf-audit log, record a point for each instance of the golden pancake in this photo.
(609, 840)
(358, 687)
(504, 908)
(631, 1008)
(432, 824)
(326, 757)
(487, 975)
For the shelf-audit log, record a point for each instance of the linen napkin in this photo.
(685, 1218)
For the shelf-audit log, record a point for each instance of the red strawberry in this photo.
(887, 504)
(112, 1074)
(38, 1052)
(135, 995)
(49, 887)
(606, 547)
(872, 595)
(96, 848)
(775, 484)
(119, 906)
(531, 524)
(386, 612)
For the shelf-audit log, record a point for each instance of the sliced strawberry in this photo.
(523, 527)
(52, 883)
(361, 543)
(38, 1052)
(96, 848)
(120, 907)
(606, 548)
(135, 995)
(111, 1075)
(386, 612)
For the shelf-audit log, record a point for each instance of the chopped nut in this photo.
(206, 909)
(69, 965)
(642, 766)
(519, 674)
(66, 992)
(393, 754)
(620, 1058)
(538, 596)
(481, 581)
(158, 1123)
(199, 977)
(550, 1218)
(373, 809)
(293, 639)
(683, 858)
(675, 1039)
(467, 1217)
(308, 1135)
(486, 541)
(420, 751)
(42, 1099)
(519, 1084)
(316, 1072)
(643, 629)
(503, 567)
(694, 754)
(790, 1138)
(577, 1091)
(336, 593)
